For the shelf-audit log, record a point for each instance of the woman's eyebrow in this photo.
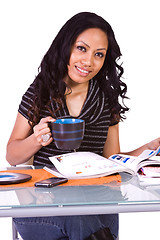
(83, 43)
(99, 49)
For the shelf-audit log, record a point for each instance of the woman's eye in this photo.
(83, 49)
(99, 54)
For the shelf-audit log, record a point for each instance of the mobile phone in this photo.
(51, 182)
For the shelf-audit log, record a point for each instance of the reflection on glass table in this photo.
(114, 197)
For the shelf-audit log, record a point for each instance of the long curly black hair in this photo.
(53, 69)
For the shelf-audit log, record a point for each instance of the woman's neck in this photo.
(76, 87)
(76, 94)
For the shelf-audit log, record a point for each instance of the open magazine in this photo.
(79, 165)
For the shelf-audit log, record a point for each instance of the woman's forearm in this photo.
(24, 141)
(137, 151)
(153, 145)
(21, 150)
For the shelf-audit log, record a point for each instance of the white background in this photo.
(27, 28)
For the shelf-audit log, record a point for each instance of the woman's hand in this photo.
(41, 129)
(153, 145)
(24, 141)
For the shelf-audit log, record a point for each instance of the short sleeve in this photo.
(113, 123)
(27, 101)
(114, 120)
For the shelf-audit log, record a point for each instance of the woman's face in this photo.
(87, 55)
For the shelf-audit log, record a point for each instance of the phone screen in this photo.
(51, 182)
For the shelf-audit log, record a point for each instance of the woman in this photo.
(79, 76)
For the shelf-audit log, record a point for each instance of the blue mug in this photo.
(68, 133)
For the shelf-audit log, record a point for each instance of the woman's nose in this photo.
(87, 60)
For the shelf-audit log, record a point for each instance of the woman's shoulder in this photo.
(30, 92)
(27, 100)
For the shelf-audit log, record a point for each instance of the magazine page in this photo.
(84, 165)
(150, 174)
(53, 171)
(148, 180)
(149, 153)
(127, 161)
(134, 162)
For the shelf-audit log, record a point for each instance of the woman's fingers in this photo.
(42, 131)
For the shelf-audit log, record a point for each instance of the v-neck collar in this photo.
(92, 107)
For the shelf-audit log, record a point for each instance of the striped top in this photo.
(95, 113)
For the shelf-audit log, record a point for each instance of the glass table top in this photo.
(129, 191)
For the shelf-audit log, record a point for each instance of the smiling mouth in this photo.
(83, 71)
